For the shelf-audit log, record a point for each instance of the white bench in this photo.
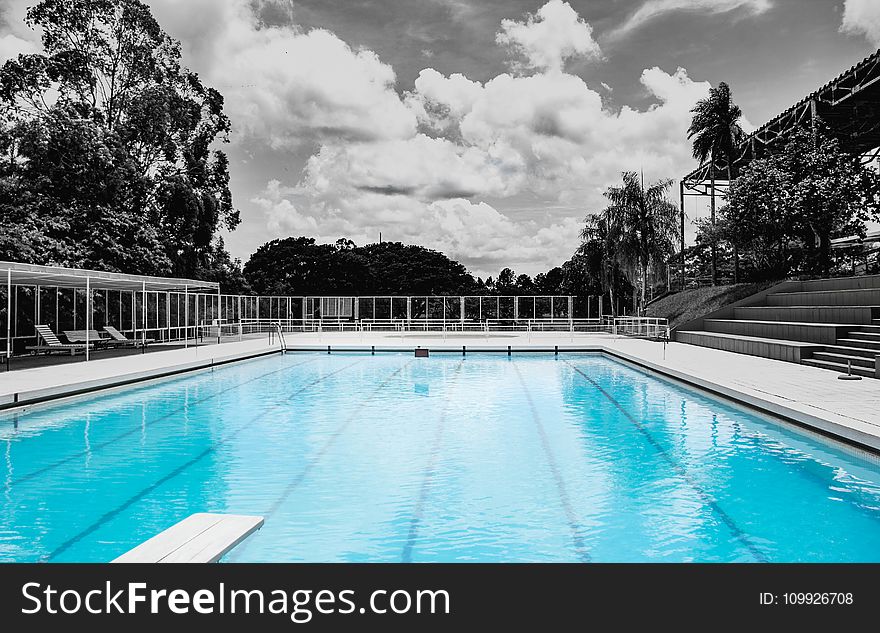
(200, 538)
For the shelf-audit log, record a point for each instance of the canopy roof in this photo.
(849, 105)
(854, 240)
(57, 277)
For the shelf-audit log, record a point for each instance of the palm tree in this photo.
(600, 228)
(716, 132)
(641, 226)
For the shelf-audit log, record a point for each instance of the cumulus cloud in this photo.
(544, 136)
(550, 36)
(862, 17)
(652, 9)
(282, 84)
(472, 232)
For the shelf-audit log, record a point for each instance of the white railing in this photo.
(641, 327)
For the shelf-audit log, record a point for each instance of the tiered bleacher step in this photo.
(828, 323)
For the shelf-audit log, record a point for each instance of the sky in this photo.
(486, 129)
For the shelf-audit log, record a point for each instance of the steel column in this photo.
(88, 312)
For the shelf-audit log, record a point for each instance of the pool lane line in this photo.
(427, 478)
(313, 461)
(682, 472)
(140, 428)
(574, 526)
(111, 514)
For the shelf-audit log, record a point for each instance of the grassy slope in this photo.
(691, 304)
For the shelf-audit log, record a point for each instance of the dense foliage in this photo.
(783, 210)
(301, 266)
(106, 148)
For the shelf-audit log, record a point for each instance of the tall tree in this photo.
(715, 133)
(112, 139)
(301, 266)
(805, 195)
(596, 240)
(640, 228)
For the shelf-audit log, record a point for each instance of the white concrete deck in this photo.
(810, 396)
(55, 381)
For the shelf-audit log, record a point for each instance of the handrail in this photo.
(281, 337)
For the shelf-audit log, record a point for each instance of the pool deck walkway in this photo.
(65, 379)
(809, 396)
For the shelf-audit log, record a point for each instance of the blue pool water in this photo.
(391, 458)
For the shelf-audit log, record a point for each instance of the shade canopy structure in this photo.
(848, 106)
(139, 291)
(18, 274)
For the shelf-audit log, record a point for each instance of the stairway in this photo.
(826, 323)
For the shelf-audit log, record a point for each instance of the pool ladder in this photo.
(280, 331)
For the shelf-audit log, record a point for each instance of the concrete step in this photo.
(842, 283)
(820, 333)
(864, 336)
(857, 361)
(867, 329)
(857, 342)
(856, 297)
(791, 351)
(849, 351)
(842, 368)
(807, 314)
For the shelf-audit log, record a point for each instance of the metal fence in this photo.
(194, 317)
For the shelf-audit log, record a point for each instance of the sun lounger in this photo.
(122, 339)
(90, 336)
(52, 344)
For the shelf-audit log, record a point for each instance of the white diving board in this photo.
(199, 538)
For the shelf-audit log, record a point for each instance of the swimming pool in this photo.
(489, 458)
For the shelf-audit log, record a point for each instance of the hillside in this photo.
(683, 306)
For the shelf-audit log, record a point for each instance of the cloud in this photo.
(543, 142)
(284, 85)
(550, 36)
(15, 36)
(653, 9)
(475, 233)
(543, 137)
(862, 17)
(11, 46)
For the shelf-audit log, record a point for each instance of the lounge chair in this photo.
(52, 344)
(121, 339)
(89, 336)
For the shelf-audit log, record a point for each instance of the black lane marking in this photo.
(681, 471)
(427, 478)
(313, 461)
(140, 428)
(573, 524)
(108, 516)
